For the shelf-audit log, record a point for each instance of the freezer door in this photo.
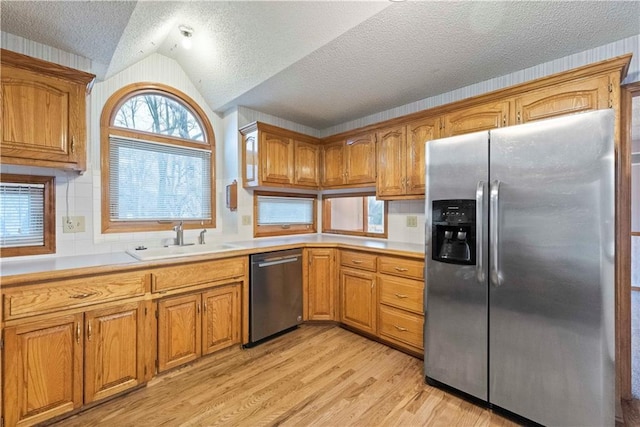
(551, 294)
(456, 295)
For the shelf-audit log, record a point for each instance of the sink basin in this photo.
(180, 251)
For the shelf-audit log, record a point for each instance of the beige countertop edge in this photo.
(36, 277)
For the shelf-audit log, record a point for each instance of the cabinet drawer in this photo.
(46, 298)
(402, 293)
(401, 326)
(403, 267)
(180, 276)
(358, 260)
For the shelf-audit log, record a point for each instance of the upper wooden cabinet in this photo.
(43, 118)
(477, 118)
(401, 159)
(276, 157)
(573, 97)
(350, 162)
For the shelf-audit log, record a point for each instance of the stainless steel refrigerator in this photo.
(519, 261)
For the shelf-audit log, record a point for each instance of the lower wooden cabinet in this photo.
(320, 283)
(358, 301)
(43, 369)
(185, 334)
(56, 365)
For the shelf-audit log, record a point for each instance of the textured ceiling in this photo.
(324, 63)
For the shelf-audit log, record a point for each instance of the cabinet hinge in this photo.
(145, 311)
(610, 87)
(157, 365)
(145, 371)
(1, 421)
(156, 314)
(1, 343)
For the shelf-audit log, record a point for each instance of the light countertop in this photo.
(48, 268)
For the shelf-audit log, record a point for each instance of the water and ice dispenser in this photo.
(454, 231)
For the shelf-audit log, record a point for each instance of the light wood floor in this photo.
(318, 375)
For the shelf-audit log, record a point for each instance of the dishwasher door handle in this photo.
(276, 261)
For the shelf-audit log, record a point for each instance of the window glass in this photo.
(155, 113)
(152, 181)
(357, 215)
(27, 218)
(282, 213)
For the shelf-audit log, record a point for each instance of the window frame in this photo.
(326, 216)
(107, 128)
(49, 220)
(278, 230)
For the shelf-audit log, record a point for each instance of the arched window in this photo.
(157, 161)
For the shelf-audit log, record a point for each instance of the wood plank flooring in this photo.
(318, 375)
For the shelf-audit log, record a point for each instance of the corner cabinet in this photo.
(43, 118)
(320, 284)
(350, 162)
(276, 157)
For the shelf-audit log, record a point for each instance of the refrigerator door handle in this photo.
(480, 269)
(494, 254)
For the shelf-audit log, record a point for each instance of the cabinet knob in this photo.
(73, 144)
(400, 328)
(78, 332)
(401, 296)
(83, 296)
(401, 269)
(89, 331)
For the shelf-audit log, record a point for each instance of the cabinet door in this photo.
(276, 158)
(391, 157)
(179, 329)
(333, 172)
(321, 284)
(360, 159)
(574, 97)
(43, 369)
(114, 353)
(474, 119)
(358, 299)
(221, 320)
(307, 164)
(418, 133)
(39, 115)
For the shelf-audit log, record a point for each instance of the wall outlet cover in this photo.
(246, 219)
(73, 224)
(412, 221)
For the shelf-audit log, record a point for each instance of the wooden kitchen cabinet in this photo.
(43, 118)
(350, 162)
(358, 302)
(221, 319)
(43, 369)
(320, 283)
(573, 97)
(115, 358)
(401, 159)
(185, 334)
(276, 157)
(333, 173)
(477, 118)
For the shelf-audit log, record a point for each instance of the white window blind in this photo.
(273, 210)
(21, 214)
(150, 181)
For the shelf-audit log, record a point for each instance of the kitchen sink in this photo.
(180, 251)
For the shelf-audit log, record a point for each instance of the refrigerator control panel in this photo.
(454, 231)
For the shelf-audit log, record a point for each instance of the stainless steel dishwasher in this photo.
(275, 294)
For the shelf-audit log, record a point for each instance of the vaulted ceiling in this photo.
(324, 63)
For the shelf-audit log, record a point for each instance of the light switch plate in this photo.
(73, 224)
(412, 221)
(246, 219)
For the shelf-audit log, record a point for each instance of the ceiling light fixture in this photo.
(187, 33)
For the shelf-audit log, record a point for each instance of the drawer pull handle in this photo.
(400, 328)
(356, 261)
(401, 269)
(402, 296)
(83, 296)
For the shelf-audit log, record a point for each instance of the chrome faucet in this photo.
(201, 238)
(179, 234)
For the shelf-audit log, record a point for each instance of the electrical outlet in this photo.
(412, 221)
(246, 219)
(73, 224)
